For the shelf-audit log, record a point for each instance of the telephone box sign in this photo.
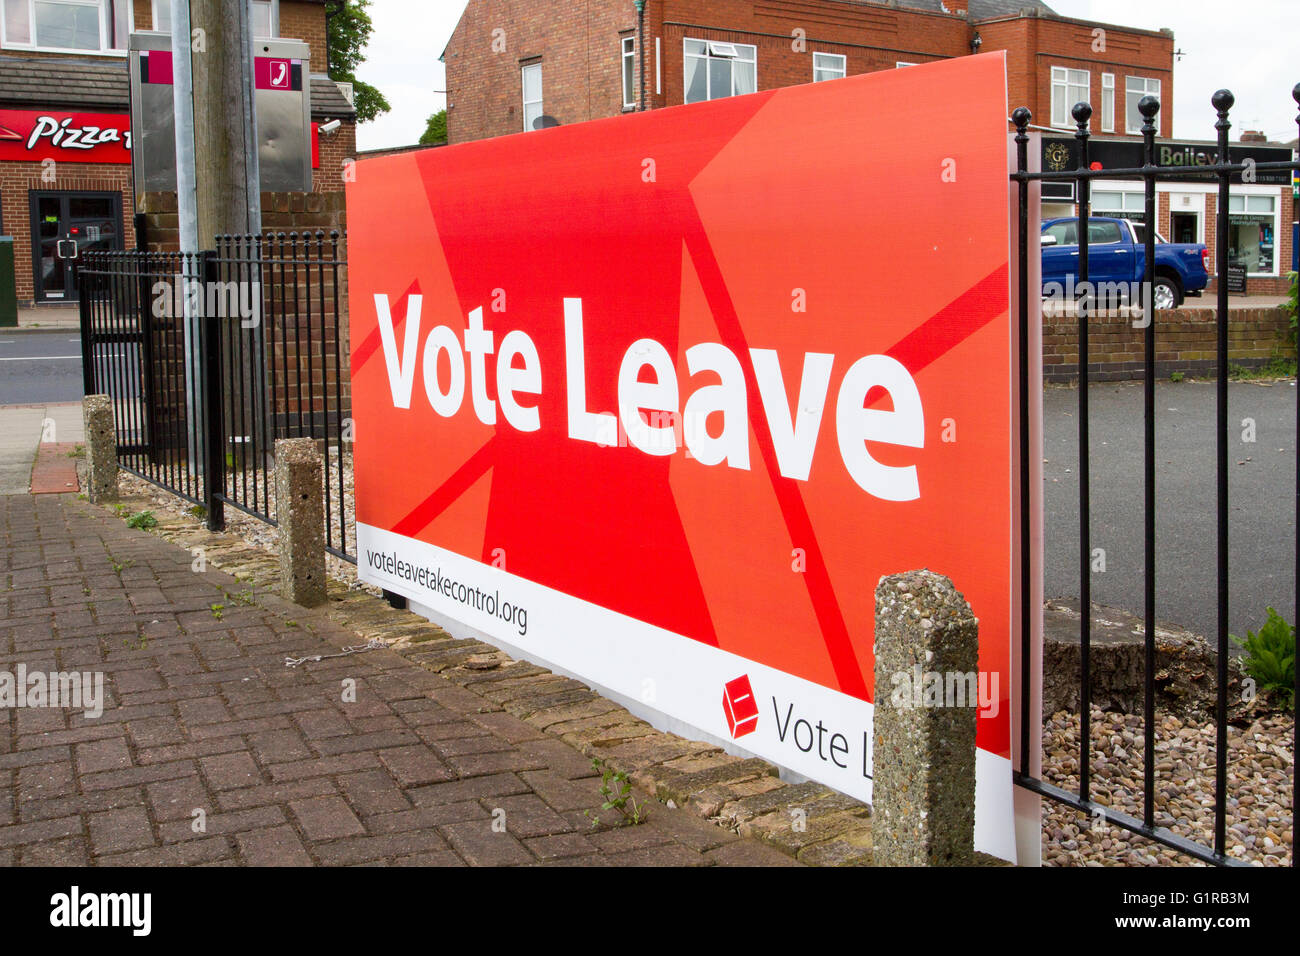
(657, 400)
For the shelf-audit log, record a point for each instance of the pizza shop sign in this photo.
(34, 136)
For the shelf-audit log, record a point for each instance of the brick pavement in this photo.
(201, 714)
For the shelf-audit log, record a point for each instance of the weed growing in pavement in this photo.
(217, 610)
(78, 452)
(1292, 304)
(144, 521)
(616, 788)
(1278, 366)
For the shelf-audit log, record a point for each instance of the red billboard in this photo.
(35, 135)
(657, 400)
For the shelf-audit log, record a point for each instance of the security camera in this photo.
(330, 127)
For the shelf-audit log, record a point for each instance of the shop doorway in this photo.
(1185, 227)
(65, 226)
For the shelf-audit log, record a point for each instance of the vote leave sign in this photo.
(657, 400)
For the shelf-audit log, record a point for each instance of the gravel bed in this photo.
(1260, 771)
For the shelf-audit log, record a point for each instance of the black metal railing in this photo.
(135, 342)
(212, 356)
(1222, 172)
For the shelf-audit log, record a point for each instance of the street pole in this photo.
(188, 214)
(229, 193)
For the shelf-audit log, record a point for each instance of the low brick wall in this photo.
(1186, 341)
(281, 212)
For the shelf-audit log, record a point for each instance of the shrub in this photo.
(1270, 658)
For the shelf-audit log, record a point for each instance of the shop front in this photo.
(1261, 205)
(65, 190)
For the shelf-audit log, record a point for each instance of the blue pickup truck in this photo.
(1117, 262)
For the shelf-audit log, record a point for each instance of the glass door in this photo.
(64, 227)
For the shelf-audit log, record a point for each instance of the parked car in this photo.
(1117, 261)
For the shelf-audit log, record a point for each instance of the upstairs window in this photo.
(1136, 87)
(1108, 102)
(1068, 87)
(715, 70)
(265, 17)
(90, 26)
(532, 89)
(629, 72)
(829, 66)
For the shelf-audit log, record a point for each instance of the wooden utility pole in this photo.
(225, 150)
(227, 188)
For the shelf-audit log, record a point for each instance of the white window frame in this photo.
(839, 69)
(628, 52)
(1061, 76)
(166, 5)
(716, 50)
(899, 64)
(523, 92)
(104, 30)
(1147, 89)
(1131, 202)
(1108, 102)
(1245, 195)
(275, 16)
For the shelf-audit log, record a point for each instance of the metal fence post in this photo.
(84, 284)
(214, 456)
(1222, 101)
(1149, 106)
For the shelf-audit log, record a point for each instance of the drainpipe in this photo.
(640, 51)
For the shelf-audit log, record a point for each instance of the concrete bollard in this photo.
(300, 516)
(101, 447)
(923, 806)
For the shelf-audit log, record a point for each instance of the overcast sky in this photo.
(1245, 46)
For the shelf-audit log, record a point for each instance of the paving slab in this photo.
(210, 750)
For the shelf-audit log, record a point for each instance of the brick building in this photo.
(514, 65)
(64, 66)
(510, 59)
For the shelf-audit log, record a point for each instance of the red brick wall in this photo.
(17, 180)
(1186, 341)
(1036, 44)
(579, 81)
(306, 22)
(298, 305)
(334, 149)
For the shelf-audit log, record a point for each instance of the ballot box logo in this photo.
(740, 706)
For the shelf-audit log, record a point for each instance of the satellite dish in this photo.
(545, 122)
